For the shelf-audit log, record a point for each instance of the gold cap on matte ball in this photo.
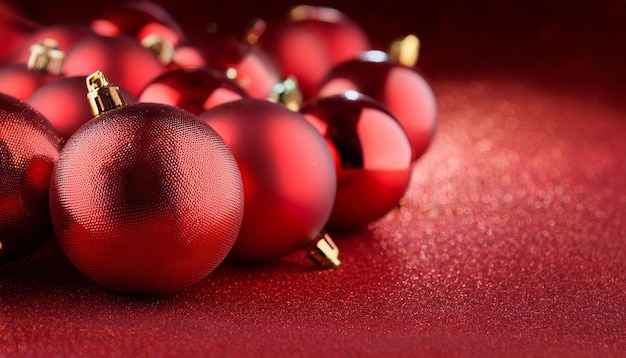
(405, 50)
(102, 95)
(46, 56)
(287, 93)
(323, 251)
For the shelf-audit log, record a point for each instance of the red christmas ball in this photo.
(29, 148)
(146, 199)
(64, 103)
(139, 19)
(288, 176)
(123, 60)
(147, 22)
(66, 35)
(43, 65)
(373, 157)
(314, 40)
(195, 90)
(403, 90)
(251, 67)
(20, 82)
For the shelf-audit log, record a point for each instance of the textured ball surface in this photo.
(146, 199)
(288, 176)
(29, 147)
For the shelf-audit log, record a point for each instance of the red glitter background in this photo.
(511, 242)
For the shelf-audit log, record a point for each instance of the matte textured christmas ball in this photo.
(403, 90)
(29, 148)
(195, 90)
(145, 198)
(288, 176)
(373, 157)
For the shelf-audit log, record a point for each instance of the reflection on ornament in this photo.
(372, 153)
(29, 148)
(403, 90)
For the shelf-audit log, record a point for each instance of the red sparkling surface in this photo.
(512, 241)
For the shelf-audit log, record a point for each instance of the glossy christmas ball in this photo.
(314, 40)
(146, 199)
(403, 90)
(251, 67)
(64, 104)
(195, 90)
(123, 60)
(373, 157)
(288, 176)
(29, 148)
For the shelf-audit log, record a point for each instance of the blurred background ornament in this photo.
(249, 65)
(311, 41)
(124, 61)
(43, 65)
(146, 21)
(195, 90)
